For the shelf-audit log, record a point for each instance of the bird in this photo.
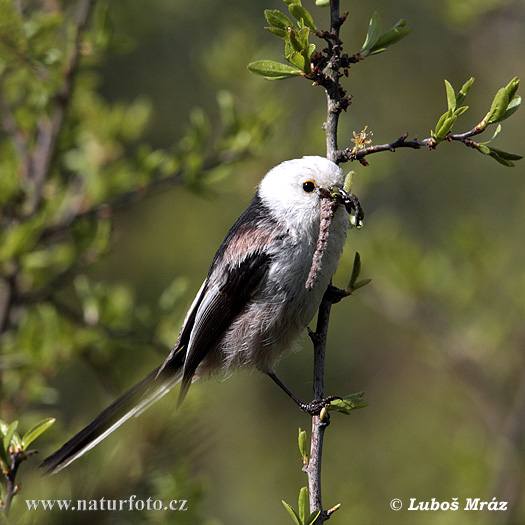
(253, 304)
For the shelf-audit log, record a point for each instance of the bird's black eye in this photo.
(309, 186)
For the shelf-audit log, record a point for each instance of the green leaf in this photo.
(375, 27)
(303, 505)
(349, 180)
(294, 40)
(291, 510)
(483, 149)
(281, 33)
(356, 270)
(348, 403)
(5, 461)
(503, 157)
(499, 107)
(393, 35)
(36, 430)
(302, 16)
(9, 433)
(464, 90)
(513, 106)
(512, 87)
(451, 96)
(273, 70)
(297, 59)
(496, 133)
(277, 19)
(322, 3)
(302, 444)
(360, 284)
(441, 133)
(290, 2)
(460, 111)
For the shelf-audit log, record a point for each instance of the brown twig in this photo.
(12, 487)
(351, 154)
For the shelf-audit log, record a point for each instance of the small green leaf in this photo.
(273, 70)
(303, 505)
(483, 149)
(297, 59)
(302, 444)
(9, 433)
(349, 180)
(348, 403)
(360, 284)
(512, 87)
(277, 19)
(36, 430)
(463, 91)
(513, 106)
(503, 157)
(441, 133)
(460, 111)
(442, 119)
(506, 155)
(375, 27)
(295, 40)
(302, 16)
(356, 270)
(281, 33)
(499, 107)
(393, 35)
(290, 2)
(4, 462)
(322, 3)
(291, 510)
(451, 96)
(496, 133)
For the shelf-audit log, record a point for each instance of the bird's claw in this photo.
(314, 407)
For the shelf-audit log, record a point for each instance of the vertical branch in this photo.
(334, 107)
(318, 426)
(332, 75)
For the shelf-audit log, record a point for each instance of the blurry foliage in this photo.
(466, 13)
(68, 160)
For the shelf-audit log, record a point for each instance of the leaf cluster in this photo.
(505, 103)
(14, 449)
(298, 50)
(376, 41)
(302, 516)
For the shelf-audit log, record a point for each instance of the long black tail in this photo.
(131, 403)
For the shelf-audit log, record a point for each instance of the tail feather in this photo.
(133, 402)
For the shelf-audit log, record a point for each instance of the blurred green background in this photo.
(436, 340)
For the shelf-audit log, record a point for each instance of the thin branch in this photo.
(351, 154)
(49, 129)
(132, 197)
(12, 487)
(329, 76)
(336, 102)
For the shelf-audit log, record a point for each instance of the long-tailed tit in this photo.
(253, 304)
